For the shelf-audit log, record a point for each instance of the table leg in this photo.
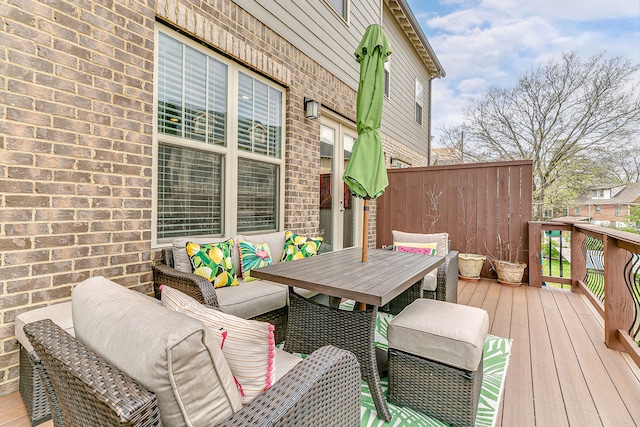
(312, 325)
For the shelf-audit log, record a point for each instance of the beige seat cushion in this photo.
(285, 362)
(251, 299)
(59, 313)
(448, 333)
(442, 248)
(169, 353)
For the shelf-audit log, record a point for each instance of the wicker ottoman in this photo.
(435, 359)
(33, 393)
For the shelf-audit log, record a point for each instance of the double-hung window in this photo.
(341, 7)
(419, 102)
(219, 160)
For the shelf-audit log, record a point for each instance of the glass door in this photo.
(339, 213)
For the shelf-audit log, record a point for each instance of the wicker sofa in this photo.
(258, 300)
(135, 362)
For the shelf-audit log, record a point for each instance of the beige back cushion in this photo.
(275, 241)
(441, 239)
(182, 263)
(169, 353)
(442, 249)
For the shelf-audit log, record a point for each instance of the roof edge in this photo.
(401, 9)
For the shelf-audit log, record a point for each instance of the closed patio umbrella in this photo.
(366, 173)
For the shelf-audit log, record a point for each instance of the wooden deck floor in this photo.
(560, 372)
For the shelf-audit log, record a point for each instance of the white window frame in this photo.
(347, 8)
(387, 78)
(230, 152)
(419, 102)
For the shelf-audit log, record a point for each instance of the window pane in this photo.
(192, 93)
(257, 196)
(340, 6)
(259, 117)
(190, 192)
(418, 114)
(169, 86)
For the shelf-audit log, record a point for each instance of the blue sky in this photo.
(490, 43)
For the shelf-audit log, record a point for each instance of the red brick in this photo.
(70, 253)
(25, 229)
(69, 227)
(52, 267)
(72, 176)
(53, 241)
(12, 186)
(16, 244)
(29, 284)
(54, 215)
(71, 278)
(14, 300)
(70, 202)
(92, 263)
(27, 201)
(51, 294)
(55, 188)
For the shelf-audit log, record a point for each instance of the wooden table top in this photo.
(342, 274)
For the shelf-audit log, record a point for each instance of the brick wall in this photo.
(76, 105)
(75, 157)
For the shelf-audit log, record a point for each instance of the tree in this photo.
(634, 216)
(566, 116)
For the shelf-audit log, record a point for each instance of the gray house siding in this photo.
(398, 119)
(316, 30)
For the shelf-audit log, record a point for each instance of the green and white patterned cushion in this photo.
(214, 262)
(298, 247)
(253, 255)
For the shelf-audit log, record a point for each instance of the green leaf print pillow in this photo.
(214, 262)
(297, 247)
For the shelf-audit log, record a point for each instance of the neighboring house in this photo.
(607, 205)
(126, 124)
(445, 156)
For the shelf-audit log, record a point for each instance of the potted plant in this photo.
(509, 270)
(469, 264)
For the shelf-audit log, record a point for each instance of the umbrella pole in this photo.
(365, 230)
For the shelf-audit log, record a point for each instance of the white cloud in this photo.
(491, 43)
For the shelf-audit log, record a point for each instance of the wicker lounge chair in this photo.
(84, 389)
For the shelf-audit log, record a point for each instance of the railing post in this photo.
(535, 254)
(578, 261)
(618, 305)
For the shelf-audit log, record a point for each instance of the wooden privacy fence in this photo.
(479, 205)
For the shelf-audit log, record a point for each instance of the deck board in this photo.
(546, 385)
(560, 372)
(611, 409)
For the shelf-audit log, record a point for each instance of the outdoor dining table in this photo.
(342, 275)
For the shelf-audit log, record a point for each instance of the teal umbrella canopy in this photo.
(366, 173)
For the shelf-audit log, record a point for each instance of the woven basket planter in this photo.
(509, 273)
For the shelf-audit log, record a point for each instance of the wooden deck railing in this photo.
(605, 265)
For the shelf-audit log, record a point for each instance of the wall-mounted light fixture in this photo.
(311, 108)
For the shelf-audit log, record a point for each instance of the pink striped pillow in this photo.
(248, 345)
